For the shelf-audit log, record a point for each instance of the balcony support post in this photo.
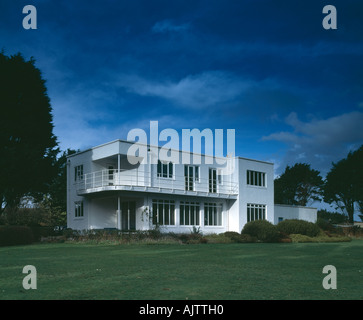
(118, 213)
(118, 168)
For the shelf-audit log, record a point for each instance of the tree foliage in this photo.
(298, 185)
(28, 147)
(57, 194)
(344, 183)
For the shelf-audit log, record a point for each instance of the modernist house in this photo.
(107, 190)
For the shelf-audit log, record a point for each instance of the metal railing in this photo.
(141, 178)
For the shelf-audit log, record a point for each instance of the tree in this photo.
(298, 185)
(344, 183)
(57, 195)
(28, 146)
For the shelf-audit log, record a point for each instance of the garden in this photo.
(264, 262)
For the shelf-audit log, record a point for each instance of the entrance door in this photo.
(128, 215)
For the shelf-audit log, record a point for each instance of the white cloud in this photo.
(320, 142)
(207, 89)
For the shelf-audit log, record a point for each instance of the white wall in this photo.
(255, 194)
(101, 213)
(295, 212)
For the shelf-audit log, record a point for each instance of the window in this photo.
(215, 177)
(163, 212)
(189, 213)
(165, 170)
(191, 174)
(212, 180)
(256, 178)
(78, 209)
(78, 173)
(212, 214)
(256, 212)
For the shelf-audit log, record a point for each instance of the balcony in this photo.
(144, 181)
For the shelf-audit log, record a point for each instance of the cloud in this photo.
(320, 142)
(206, 89)
(165, 26)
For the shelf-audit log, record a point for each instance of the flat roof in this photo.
(148, 145)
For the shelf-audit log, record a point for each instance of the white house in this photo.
(107, 190)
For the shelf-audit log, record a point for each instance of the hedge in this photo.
(15, 235)
(295, 226)
(262, 230)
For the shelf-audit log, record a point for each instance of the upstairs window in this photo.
(256, 178)
(165, 169)
(78, 173)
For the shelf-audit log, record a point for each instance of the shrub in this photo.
(320, 238)
(39, 232)
(295, 226)
(217, 238)
(237, 237)
(332, 217)
(262, 230)
(324, 224)
(15, 235)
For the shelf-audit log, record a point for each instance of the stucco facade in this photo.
(106, 190)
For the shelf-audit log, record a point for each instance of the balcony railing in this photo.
(100, 180)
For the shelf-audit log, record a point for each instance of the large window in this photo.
(191, 174)
(256, 178)
(256, 212)
(78, 209)
(189, 213)
(78, 173)
(212, 214)
(165, 169)
(215, 178)
(163, 212)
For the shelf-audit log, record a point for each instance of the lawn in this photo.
(173, 271)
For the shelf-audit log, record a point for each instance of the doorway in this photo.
(128, 215)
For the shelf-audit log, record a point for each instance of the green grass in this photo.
(172, 271)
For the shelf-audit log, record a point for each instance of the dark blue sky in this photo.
(292, 90)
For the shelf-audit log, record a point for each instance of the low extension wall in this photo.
(284, 212)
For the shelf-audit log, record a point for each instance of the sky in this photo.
(291, 90)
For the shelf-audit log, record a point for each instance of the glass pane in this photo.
(170, 170)
(155, 213)
(172, 214)
(181, 215)
(166, 214)
(159, 168)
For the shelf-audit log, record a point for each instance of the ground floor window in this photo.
(212, 214)
(78, 209)
(163, 212)
(256, 212)
(189, 213)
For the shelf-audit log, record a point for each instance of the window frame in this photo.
(213, 214)
(256, 209)
(78, 173)
(78, 209)
(256, 178)
(193, 213)
(165, 170)
(161, 206)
